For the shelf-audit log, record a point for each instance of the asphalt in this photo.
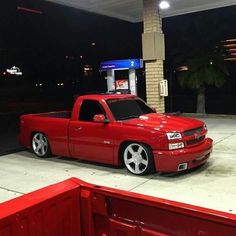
(9, 123)
(212, 185)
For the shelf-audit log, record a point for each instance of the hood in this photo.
(165, 123)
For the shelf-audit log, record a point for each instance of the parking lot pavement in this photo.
(8, 133)
(212, 185)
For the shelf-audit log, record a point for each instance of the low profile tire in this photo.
(40, 145)
(138, 158)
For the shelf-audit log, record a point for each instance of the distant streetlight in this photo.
(93, 44)
(70, 57)
(182, 68)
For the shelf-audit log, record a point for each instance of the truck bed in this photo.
(76, 208)
(59, 114)
(53, 124)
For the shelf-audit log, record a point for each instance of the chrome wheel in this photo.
(40, 145)
(138, 158)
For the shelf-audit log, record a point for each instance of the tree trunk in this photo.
(201, 101)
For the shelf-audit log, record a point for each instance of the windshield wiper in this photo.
(129, 117)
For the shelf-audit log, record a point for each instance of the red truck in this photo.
(118, 129)
(76, 208)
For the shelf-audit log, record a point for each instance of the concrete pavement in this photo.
(8, 132)
(212, 186)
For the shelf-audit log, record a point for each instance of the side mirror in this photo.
(100, 118)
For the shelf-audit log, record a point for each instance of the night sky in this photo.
(49, 46)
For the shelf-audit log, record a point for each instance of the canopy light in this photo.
(164, 5)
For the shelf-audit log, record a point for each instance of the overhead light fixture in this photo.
(164, 5)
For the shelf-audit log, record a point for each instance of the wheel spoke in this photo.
(140, 149)
(35, 140)
(128, 161)
(44, 149)
(131, 151)
(38, 148)
(41, 137)
(136, 168)
(144, 162)
(40, 151)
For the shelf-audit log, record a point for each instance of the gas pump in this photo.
(121, 75)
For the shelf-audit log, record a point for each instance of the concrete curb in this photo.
(198, 115)
(14, 150)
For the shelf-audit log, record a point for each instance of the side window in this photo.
(88, 109)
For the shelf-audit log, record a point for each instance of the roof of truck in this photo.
(107, 96)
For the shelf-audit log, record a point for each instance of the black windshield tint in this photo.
(124, 109)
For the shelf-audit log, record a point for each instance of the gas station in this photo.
(121, 75)
(151, 13)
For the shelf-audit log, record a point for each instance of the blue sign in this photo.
(122, 64)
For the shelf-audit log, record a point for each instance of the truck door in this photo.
(89, 140)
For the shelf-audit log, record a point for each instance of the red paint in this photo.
(168, 161)
(19, 8)
(74, 207)
(101, 142)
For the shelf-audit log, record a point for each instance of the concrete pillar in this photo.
(132, 81)
(153, 53)
(110, 80)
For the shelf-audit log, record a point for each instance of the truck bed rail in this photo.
(76, 208)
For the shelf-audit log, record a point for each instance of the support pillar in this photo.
(153, 53)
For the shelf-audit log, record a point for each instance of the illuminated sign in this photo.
(122, 64)
(14, 71)
(122, 84)
(164, 88)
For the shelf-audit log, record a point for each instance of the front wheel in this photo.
(40, 145)
(138, 158)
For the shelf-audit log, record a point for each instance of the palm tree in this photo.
(200, 51)
(203, 69)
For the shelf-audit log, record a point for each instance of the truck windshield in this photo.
(125, 109)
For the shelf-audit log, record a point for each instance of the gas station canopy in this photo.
(131, 10)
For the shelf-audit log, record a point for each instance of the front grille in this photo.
(196, 140)
(191, 132)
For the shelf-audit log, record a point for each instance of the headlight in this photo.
(174, 135)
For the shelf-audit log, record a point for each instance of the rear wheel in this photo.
(138, 158)
(40, 145)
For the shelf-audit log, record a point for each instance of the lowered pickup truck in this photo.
(118, 129)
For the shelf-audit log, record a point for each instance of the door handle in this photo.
(78, 128)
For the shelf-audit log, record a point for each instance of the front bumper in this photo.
(170, 161)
